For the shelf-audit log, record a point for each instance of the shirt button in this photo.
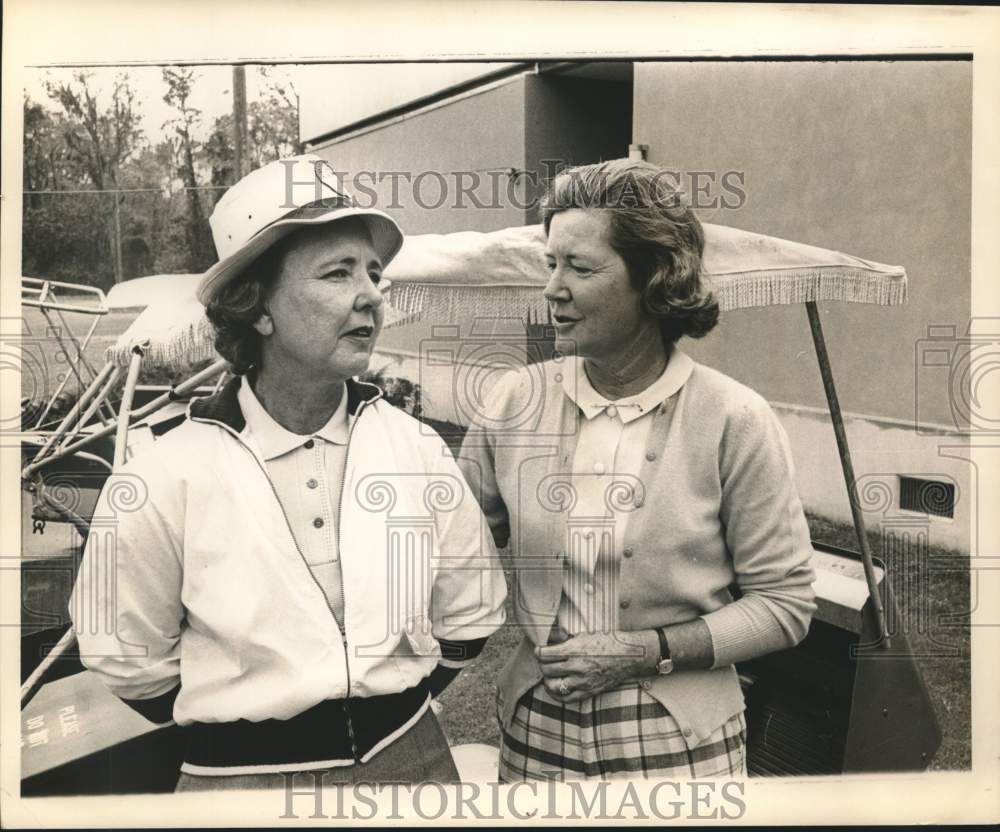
(309, 444)
(318, 522)
(687, 732)
(645, 685)
(598, 467)
(312, 483)
(588, 588)
(650, 455)
(624, 604)
(612, 411)
(628, 551)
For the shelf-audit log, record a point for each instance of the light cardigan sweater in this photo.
(717, 506)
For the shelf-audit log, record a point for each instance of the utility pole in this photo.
(118, 237)
(240, 119)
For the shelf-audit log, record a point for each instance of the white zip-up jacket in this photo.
(192, 591)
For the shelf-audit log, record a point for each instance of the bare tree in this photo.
(179, 84)
(100, 140)
(274, 119)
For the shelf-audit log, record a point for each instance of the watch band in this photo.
(664, 647)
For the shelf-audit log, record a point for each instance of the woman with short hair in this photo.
(649, 485)
(281, 591)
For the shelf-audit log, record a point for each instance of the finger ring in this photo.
(563, 687)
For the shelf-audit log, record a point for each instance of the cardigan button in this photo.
(624, 603)
(311, 483)
(638, 502)
(318, 522)
(687, 732)
(628, 551)
(309, 444)
(645, 684)
(650, 455)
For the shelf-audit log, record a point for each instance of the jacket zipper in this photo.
(343, 598)
(291, 534)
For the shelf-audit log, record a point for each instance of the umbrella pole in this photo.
(848, 468)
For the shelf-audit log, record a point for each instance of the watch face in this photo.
(665, 666)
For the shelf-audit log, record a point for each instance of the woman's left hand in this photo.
(586, 664)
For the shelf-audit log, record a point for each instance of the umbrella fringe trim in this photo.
(192, 343)
(415, 300)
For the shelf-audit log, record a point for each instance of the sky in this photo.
(331, 94)
(211, 93)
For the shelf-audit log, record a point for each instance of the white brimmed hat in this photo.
(273, 201)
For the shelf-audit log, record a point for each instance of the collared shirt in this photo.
(307, 472)
(606, 463)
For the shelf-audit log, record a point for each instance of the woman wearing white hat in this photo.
(280, 592)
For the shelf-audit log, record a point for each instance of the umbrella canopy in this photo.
(140, 292)
(171, 328)
(470, 274)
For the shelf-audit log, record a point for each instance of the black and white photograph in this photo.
(413, 418)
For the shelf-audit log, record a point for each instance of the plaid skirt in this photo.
(619, 733)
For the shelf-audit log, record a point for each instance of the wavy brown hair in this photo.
(656, 234)
(238, 306)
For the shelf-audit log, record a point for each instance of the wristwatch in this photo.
(666, 664)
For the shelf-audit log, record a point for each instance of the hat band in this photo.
(316, 209)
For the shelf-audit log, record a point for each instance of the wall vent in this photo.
(927, 496)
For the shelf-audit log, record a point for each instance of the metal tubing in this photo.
(100, 399)
(75, 410)
(42, 287)
(138, 415)
(848, 468)
(33, 683)
(62, 384)
(125, 409)
(79, 346)
(109, 415)
(55, 332)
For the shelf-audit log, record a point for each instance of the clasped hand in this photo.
(587, 664)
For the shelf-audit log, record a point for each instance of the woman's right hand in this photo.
(584, 665)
